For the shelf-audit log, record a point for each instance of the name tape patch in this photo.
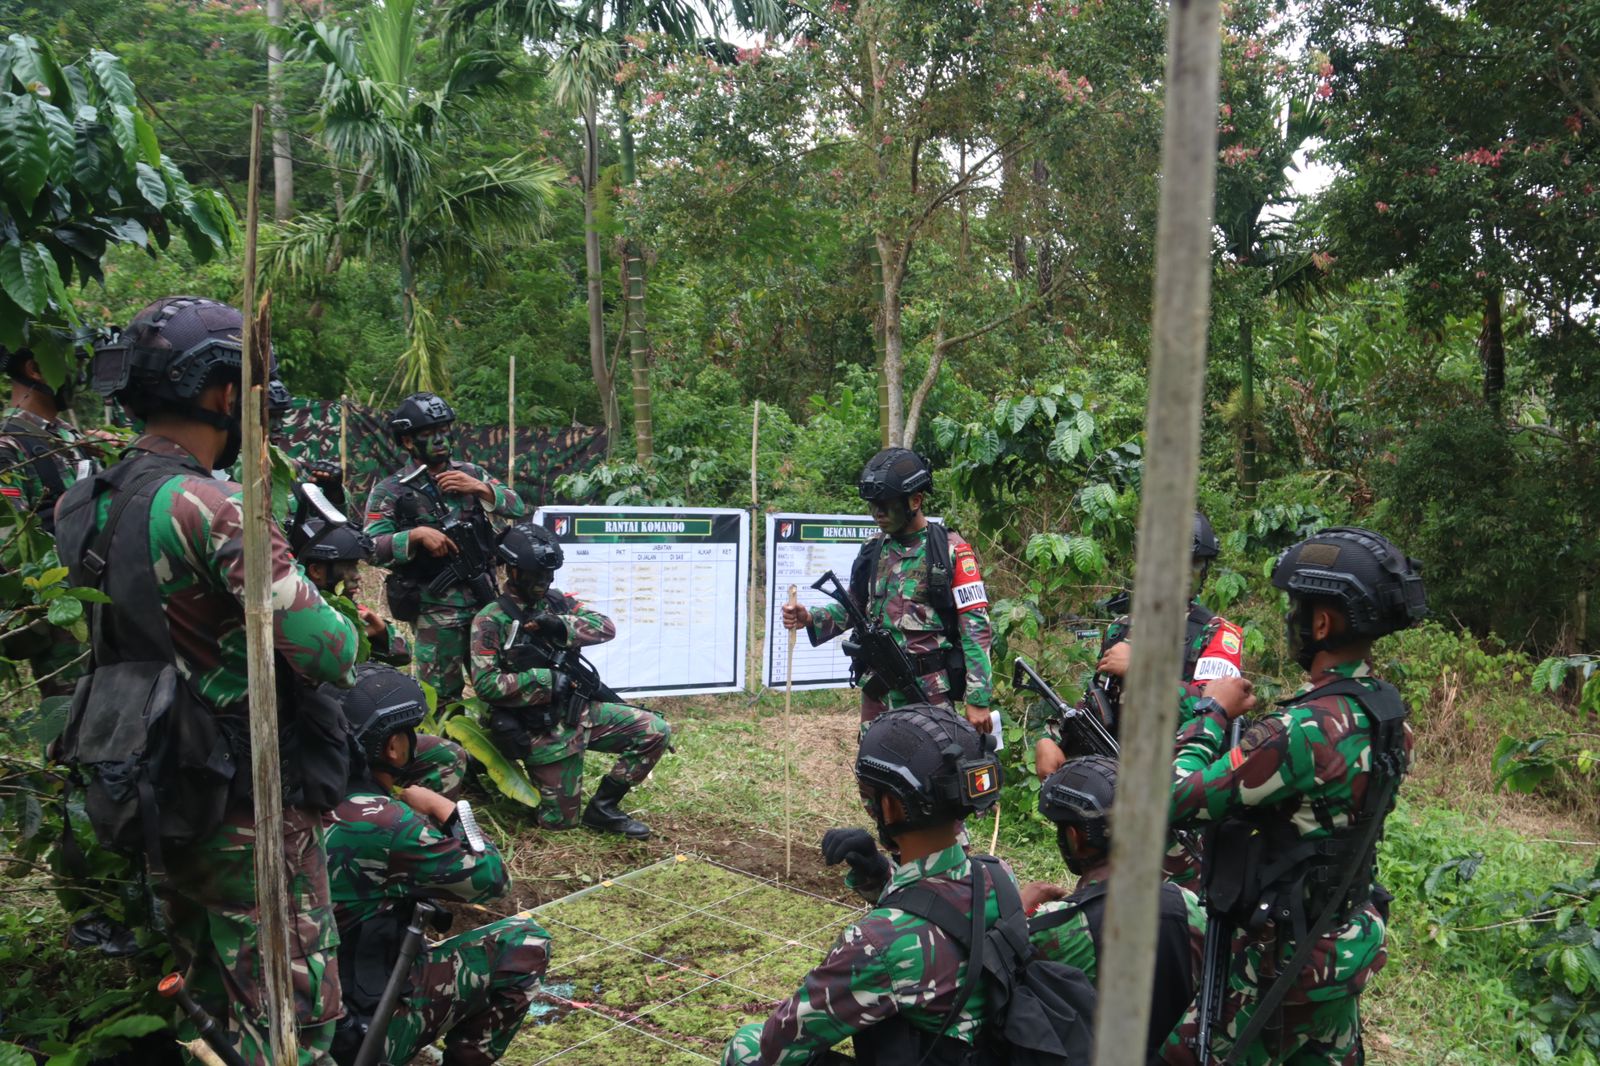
(970, 596)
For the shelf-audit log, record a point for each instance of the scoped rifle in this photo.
(472, 563)
(1090, 736)
(874, 653)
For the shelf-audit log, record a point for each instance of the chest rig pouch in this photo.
(864, 578)
(1258, 868)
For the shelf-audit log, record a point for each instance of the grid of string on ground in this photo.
(662, 964)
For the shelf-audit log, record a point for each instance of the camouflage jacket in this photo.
(21, 483)
(392, 545)
(900, 599)
(889, 963)
(379, 850)
(500, 687)
(197, 550)
(1073, 940)
(391, 648)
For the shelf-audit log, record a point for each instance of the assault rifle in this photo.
(1216, 958)
(574, 680)
(873, 651)
(1092, 737)
(472, 563)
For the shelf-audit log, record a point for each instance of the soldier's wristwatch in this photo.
(1208, 704)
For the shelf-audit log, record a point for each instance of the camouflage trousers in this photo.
(1320, 1021)
(637, 737)
(473, 990)
(936, 685)
(438, 765)
(210, 898)
(442, 639)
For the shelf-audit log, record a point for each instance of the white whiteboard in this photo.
(800, 547)
(673, 579)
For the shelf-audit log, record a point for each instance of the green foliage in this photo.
(80, 169)
(508, 775)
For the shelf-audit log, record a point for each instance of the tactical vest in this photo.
(1258, 868)
(863, 579)
(1174, 970)
(45, 458)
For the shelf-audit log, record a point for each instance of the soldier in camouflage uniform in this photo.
(332, 551)
(1303, 782)
(922, 582)
(421, 426)
(1213, 648)
(176, 367)
(387, 850)
(1067, 928)
(542, 714)
(892, 979)
(40, 457)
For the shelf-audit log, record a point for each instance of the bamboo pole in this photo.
(1172, 427)
(344, 438)
(271, 882)
(511, 424)
(755, 565)
(788, 699)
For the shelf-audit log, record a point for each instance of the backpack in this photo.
(157, 765)
(1037, 1012)
(864, 571)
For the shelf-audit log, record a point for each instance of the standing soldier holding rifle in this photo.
(917, 584)
(428, 527)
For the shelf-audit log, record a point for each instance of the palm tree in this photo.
(592, 41)
(438, 215)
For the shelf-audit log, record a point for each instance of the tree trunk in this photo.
(877, 346)
(1492, 350)
(1010, 180)
(1247, 401)
(282, 155)
(894, 370)
(638, 335)
(604, 383)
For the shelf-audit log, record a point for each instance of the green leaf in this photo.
(51, 719)
(128, 1027)
(24, 150)
(25, 271)
(124, 131)
(12, 1055)
(149, 147)
(151, 185)
(65, 611)
(87, 595)
(1021, 411)
(112, 79)
(1066, 445)
(507, 775)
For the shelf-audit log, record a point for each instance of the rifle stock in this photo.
(1093, 737)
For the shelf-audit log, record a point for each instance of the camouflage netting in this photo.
(311, 431)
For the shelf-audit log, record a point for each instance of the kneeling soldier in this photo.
(385, 854)
(549, 705)
(895, 981)
(1078, 798)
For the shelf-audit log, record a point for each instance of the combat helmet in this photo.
(172, 350)
(382, 702)
(1377, 587)
(420, 411)
(280, 401)
(530, 546)
(320, 533)
(894, 473)
(1080, 794)
(938, 767)
(1204, 546)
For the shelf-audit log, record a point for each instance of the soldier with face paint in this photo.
(403, 516)
(921, 581)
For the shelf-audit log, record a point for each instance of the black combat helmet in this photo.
(1376, 586)
(280, 401)
(1080, 794)
(329, 544)
(171, 352)
(893, 473)
(1205, 545)
(420, 411)
(938, 767)
(530, 546)
(383, 702)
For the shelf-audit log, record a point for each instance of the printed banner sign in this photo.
(675, 582)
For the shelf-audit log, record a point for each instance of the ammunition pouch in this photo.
(513, 728)
(1258, 870)
(404, 594)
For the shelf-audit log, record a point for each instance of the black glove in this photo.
(520, 658)
(551, 627)
(856, 847)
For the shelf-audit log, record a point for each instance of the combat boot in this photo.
(604, 815)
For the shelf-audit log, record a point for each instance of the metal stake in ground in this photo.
(272, 885)
(788, 698)
(1161, 594)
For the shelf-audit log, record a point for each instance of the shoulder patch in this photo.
(1261, 733)
(1230, 640)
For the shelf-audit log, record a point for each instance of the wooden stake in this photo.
(511, 424)
(271, 882)
(1161, 594)
(344, 436)
(788, 734)
(994, 838)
